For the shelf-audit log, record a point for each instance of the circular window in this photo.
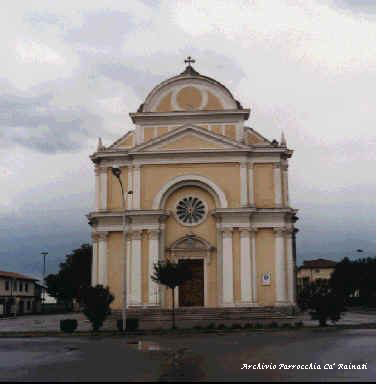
(191, 210)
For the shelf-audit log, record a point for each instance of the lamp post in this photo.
(44, 254)
(117, 172)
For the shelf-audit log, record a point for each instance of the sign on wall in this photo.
(266, 278)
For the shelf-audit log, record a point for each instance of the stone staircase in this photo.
(188, 317)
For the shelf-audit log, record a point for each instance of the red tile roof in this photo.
(319, 263)
(15, 275)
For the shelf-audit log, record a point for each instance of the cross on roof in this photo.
(189, 61)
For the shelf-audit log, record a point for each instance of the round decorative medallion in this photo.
(191, 210)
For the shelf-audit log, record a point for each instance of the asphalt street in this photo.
(197, 357)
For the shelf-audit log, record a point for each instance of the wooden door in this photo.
(191, 293)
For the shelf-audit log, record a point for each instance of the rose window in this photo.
(190, 210)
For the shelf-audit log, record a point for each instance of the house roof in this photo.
(15, 275)
(319, 263)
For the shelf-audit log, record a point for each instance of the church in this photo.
(192, 183)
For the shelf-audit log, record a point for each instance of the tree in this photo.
(74, 274)
(171, 275)
(355, 281)
(323, 302)
(96, 301)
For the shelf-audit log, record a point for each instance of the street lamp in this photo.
(44, 254)
(117, 172)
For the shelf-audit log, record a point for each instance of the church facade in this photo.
(202, 188)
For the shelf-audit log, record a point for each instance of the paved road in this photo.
(199, 357)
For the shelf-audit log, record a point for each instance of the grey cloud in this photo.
(358, 6)
(35, 124)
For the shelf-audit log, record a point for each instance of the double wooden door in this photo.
(191, 293)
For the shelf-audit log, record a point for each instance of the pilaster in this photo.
(277, 185)
(102, 259)
(227, 274)
(245, 263)
(135, 298)
(280, 287)
(153, 288)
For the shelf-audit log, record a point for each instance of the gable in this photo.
(191, 141)
(252, 137)
(189, 137)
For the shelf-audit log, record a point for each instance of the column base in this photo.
(282, 303)
(247, 304)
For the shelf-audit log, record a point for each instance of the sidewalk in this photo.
(51, 322)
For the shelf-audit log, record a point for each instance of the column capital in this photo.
(102, 235)
(253, 231)
(227, 232)
(95, 236)
(153, 234)
(102, 169)
(136, 166)
(136, 234)
(289, 231)
(277, 165)
(243, 164)
(251, 165)
(279, 231)
(97, 169)
(244, 232)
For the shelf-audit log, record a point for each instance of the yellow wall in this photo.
(165, 104)
(264, 185)
(114, 193)
(191, 142)
(129, 140)
(189, 98)
(230, 131)
(213, 103)
(148, 133)
(225, 175)
(115, 267)
(265, 261)
(312, 274)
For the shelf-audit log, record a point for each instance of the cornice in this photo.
(139, 117)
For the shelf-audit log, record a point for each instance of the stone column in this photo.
(285, 184)
(136, 185)
(246, 294)
(251, 185)
(103, 188)
(280, 287)
(228, 296)
(290, 267)
(135, 298)
(94, 280)
(102, 259)
(277, 185)
(97, 188)
(153, 290)
(253, 232)
(243, 179)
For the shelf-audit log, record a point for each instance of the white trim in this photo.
(136, 187)
(243, 179)
(245, 265)
(280, 283)
(129, 187)
(251, 185)
(153, 288)
(97, 189)
(135, 298)
(94, 280)
(290, 268)
(179, 181)
(227, 263)
(254, 265)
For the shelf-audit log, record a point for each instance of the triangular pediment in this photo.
(189, 138)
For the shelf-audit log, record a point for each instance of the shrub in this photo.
(258, 325)
(96, 301)
(299, 324)
(211, 326)
(326, 307)
(68, 325)
(131, 324)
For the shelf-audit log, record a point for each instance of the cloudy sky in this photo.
(71, 71)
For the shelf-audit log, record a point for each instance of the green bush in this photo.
(68, 325)
(131, 324)
(96, 301)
